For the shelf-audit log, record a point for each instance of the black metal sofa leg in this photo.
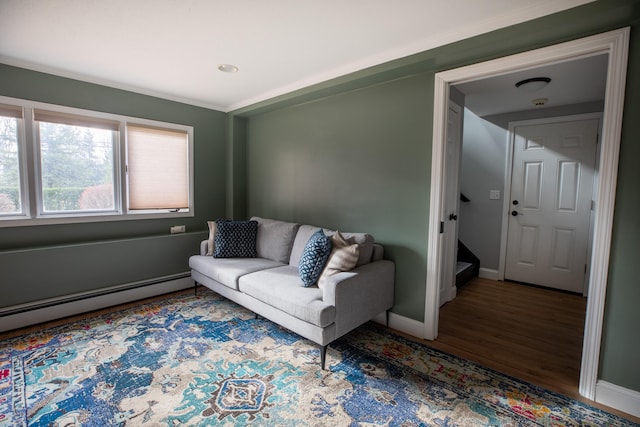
(323, 356)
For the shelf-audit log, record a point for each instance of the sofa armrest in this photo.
(360, 294)
(204, 247)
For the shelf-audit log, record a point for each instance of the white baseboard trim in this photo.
(620, 398)
(64, 309)
(487, 273)
(406, 325)
(401, 323)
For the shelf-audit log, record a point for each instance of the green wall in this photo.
(356, 162)
(38, 262)
(354, 154)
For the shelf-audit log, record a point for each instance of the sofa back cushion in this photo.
(275, 239)
(364, 241)
(302, 237)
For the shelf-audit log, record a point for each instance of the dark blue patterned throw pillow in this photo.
(314, 257)
(235, 239)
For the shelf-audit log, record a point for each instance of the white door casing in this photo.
(547, 217)
(449, 241)
(616, 45)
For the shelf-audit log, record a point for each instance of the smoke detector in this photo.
(539, 102)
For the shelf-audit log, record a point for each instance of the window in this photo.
(157, 168)
(11, 192)
(85, 166)
(76, 159)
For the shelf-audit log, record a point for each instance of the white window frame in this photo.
(22, 162)
(31, 176)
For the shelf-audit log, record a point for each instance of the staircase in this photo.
(468, 265)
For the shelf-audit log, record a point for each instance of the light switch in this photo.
(494, 194)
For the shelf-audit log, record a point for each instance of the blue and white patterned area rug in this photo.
(203, 361)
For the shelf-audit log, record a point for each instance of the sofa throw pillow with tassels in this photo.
(314, 258)
(343, 257)
(211, 244)
(235, 239)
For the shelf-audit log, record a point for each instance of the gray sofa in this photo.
(270, 284)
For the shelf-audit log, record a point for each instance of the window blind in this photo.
(73, 120)
(158, 168)
(10, 111)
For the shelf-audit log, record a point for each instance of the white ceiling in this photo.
(578, 81)
(172, 48)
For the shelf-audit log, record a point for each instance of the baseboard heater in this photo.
(52, 302)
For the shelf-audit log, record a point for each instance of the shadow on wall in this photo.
(410, 283)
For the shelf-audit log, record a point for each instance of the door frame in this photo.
(508, 176)
(616, 45)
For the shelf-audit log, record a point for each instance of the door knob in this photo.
(515, 202)
(453, 217)
(514, 213)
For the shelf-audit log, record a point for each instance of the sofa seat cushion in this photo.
(228, 270)
(282, 288)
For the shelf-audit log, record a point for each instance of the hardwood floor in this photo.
(531, 333)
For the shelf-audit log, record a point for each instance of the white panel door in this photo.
(449, 240)
(550, 206)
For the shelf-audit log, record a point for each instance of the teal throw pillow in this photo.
(314, 257)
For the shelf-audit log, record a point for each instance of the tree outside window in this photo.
(77, 167)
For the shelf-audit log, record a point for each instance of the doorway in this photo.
(615, 45)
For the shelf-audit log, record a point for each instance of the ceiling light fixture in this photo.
(228, 68)
(533, 84)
